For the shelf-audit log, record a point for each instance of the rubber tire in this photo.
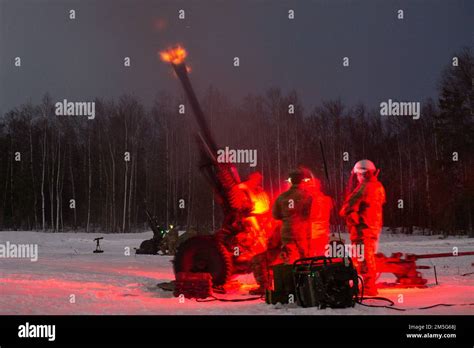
(204, 254)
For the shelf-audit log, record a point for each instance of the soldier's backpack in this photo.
(325, 282)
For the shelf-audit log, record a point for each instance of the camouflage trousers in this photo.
(368, 239)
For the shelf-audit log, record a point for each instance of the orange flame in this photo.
(174, 55)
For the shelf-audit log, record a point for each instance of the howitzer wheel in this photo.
(204, 254)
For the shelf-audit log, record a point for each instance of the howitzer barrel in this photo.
(434, 256)
(206, 136)
(221, 176)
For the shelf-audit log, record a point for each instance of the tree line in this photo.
(61, 173)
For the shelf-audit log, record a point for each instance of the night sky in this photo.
(82, 59)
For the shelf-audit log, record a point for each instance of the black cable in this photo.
(213, 298)
(361, 298)
(206, 299)
(419, 308)
(447, 305)
(390, 306)
(391, 303)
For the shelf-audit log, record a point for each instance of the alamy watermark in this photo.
(19, 251)
(339, 250)
(394, 108)
(37, 331)
(67, 108)
(228, 155)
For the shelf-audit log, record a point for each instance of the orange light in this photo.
(174, 55)
(261, 203)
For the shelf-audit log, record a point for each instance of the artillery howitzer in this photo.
(405, 269)
(152, 246)
(228, 251)
(216, 254)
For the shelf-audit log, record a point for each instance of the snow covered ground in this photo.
(114, 283)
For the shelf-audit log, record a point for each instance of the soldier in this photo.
(262, 262)
(362, 211)
(290, 240)
(170, 241)
(320, 215)
(293, 208)
(258, 211)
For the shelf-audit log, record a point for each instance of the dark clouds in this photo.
(83, 59)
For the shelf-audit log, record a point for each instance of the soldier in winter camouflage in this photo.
(170, 241)
(293, 208)
(362, 211)
(320, 215)
(291, 241)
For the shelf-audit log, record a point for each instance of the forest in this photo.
(66, 173)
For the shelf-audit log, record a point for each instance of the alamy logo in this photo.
(37, 331)
(67, 108)
(237, 156)
(20, 251)
(339, 250)
(394, 108)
